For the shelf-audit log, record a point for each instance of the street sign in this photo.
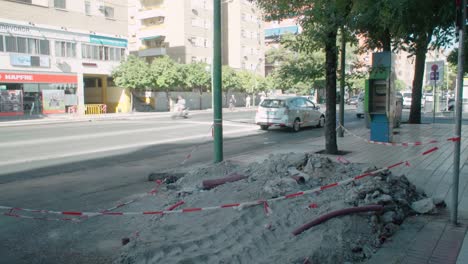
(435, 73)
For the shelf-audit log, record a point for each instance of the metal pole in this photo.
(433, 101)
(458, 116)
(342, 81)
(217, 83)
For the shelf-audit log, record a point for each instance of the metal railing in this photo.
(95, 109)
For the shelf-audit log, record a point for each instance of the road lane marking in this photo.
(87, 136)
(121, 147)
(106, 134)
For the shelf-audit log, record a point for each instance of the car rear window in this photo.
(407, 95)
(272, 103)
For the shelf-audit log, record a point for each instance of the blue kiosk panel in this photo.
(379, 127)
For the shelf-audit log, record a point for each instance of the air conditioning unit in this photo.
(160, 20)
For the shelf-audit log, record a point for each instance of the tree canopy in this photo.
(132, 73)
(196, 76)
(165, 73)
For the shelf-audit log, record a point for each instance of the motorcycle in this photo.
(181, 113)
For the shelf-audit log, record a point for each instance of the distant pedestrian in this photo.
(247, 101)
(232, 103)
(262, 97)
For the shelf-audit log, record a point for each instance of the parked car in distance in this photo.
(407, 97)
(352, 100)
(360, 105)
(429, 97)
(293, 112)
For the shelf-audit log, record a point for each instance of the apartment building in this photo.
(183, 30)
(273, 32)
(58, 55)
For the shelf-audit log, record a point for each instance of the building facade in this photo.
(58, 55)
(183, 30)
(273, 32)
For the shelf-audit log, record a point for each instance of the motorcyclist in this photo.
(180, 106)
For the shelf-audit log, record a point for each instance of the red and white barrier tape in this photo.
(267, 209)
(195, 148)
(408, 144)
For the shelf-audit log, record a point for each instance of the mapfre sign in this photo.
(16, 77)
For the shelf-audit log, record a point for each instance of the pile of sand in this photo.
(248, 235)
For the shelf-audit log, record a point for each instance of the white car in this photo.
(407, 98)
(293, 112)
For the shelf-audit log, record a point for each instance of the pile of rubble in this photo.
(253, 235)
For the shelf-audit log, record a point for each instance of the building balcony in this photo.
(151, 52)
(148, 33)
(150, 13)
(151, 4)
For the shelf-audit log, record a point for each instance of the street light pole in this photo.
(458, 114)
(217, 93)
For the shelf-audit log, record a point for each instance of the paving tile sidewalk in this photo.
(421, 239)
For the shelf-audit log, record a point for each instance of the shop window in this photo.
(60, 4)
(1, 44)
(92, 82)
(110, 82)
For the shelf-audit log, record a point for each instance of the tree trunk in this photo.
(200, 90)
(387, 41)
(331, 64)
(421, 49)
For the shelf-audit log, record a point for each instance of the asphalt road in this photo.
(92, 165)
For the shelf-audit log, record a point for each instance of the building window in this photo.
(1, 43)
(27, 45)
(103, 53)
(11, 44)
(109, 12)
(22, 45)
(88, 8)
(44, 47)
(60, 4)
(23, 1)
(65, 49)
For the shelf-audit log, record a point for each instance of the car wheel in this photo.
(296, 125)
(263, 127)
(321, 122)
(358, 115)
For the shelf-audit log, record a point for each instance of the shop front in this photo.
(24, 93)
